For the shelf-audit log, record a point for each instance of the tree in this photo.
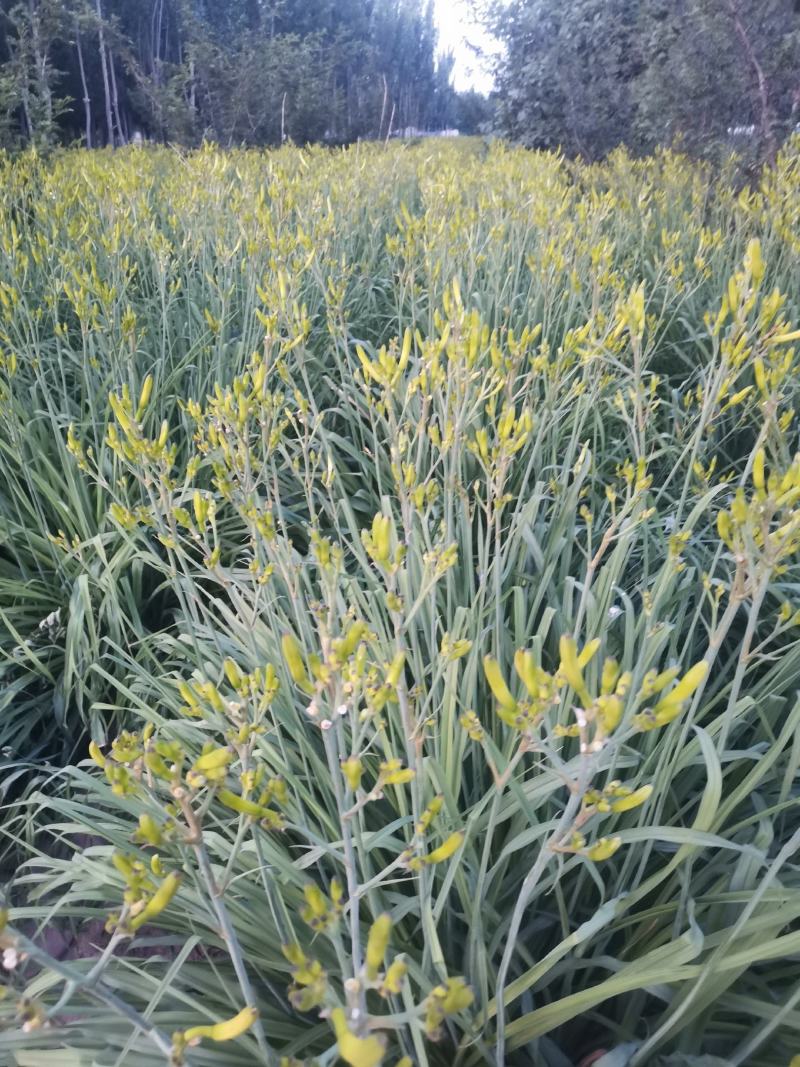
(590, 74)
(712, 66)
(474, 112)
(29, 76)
(238, 71)
(565, 77)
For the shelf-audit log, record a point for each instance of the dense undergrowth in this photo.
(413, 533)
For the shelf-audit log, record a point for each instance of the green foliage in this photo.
(565, 78)
(592, 74)
(428, 585)
(236, 73)
(703, 68)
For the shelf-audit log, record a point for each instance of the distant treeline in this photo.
(234, 71)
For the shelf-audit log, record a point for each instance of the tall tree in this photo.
(590, 74)
(239, 71)
(33, 28)
(566, 75)
(712, 66)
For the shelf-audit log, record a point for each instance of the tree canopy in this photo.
(588, 75)
(237, 72)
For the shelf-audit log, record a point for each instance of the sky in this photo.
(457, 31)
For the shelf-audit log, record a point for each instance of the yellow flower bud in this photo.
(123, 864)
(144, 396)
(457, 997)
(724, 527)
(232, 673)
(497, 684)
(733, 295)
(570, 667)
(381, 538)
(294, 661)
(393, 773)
(604, 848)
(753, 261)
(242, 804)
(96, 754)
(158, 902)
(156, 763)
(212, 695)
(588, 651)
(357, 1051)
(526, 668)
(760, 376)
(352, 769)
(445, 850)
(739, 508)
(347, 645)
(149, 830)
(214, 760)
(188, 694)
(633, 800)
(785, 338)
(609, 713)
(224, 1031)
(609, 676)
(429, 814)
(120, 413)
(393, 979)
(758, 470)
(690, 682)
(377, 943)
(395, 669)
(200, 506)
(662, 680)
(406, 350)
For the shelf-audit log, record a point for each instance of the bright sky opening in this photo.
(460, 34)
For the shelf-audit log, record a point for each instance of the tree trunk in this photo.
(157, 32)
(101, 33)
(383, 106)
(26, 113)
(40, 60)
(121, 138)
(767, 131)
(87, 102)
(391, 121)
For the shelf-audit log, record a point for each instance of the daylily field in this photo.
(399, 609)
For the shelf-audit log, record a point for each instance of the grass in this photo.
(412, 533)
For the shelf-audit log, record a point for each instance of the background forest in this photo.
(582, 75)
(239, 72)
